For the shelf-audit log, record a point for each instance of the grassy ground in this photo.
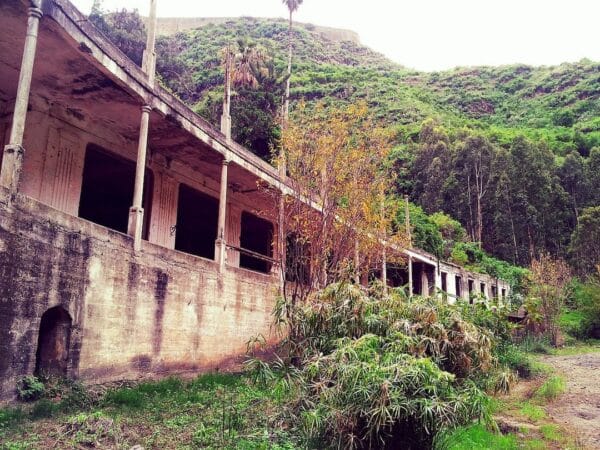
(226, 411)
(212, 411)
(522, 416)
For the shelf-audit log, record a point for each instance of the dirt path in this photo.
(578, 409)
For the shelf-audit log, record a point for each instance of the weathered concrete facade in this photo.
(78, 294)
(133, 314)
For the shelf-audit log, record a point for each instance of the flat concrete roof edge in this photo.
(135, 72)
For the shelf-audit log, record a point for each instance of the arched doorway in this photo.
(53, 342)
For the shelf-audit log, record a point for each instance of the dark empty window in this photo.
(107, 190)
(197, 217)
(444, 282)
(503, 293)
(494, 292)
(256, 238)
(471, 285)
(458, 286)
(482, 289)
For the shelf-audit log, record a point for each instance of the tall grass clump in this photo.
(378, 371)
(551, 389)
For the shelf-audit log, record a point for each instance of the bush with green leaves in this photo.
(582, 316)
(29, 388)
(375, 370)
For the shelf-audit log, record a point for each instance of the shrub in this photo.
(551, 389)
(128, 397)
(378, 370)
(474, 437)
(521, 362)
(43, 409)
(587, 304)
(29, 388)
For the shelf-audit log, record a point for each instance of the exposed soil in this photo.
(578, 409)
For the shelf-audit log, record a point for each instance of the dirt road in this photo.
(578, 409)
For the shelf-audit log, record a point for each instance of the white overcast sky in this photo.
(429, 34)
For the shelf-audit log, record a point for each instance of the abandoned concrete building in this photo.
(133, 239)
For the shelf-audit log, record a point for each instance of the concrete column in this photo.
(221, 244)
(149, 57)
(437, 274)
(226, 115)
(136, 212)
(281, 241)
(410, 277)
(12, 162)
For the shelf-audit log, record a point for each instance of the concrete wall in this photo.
(134, 315)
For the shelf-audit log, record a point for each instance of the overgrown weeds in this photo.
(376, 370)
(551, 389)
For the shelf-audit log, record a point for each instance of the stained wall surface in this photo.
(133, 315)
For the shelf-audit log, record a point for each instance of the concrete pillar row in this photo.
(136, 212)
(12, 163)
(221, 243)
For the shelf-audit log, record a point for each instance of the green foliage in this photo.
(551, 432)
(381, 369)
(518, 360)
(212, 411)
(124, 28)
(581, 317)
(475, 437)
(10, 416)
(532, 412)
(532, 135)
(29, 388)
(426, 233)
(551, 389)
(574, 323)
(585, 242)
(44, 408)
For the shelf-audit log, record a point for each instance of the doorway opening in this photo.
(53, 342)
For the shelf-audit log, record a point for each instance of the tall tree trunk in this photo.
(286, 108)
(512, 226)
(471, 227)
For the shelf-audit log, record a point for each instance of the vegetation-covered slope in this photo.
(559, 103)
(508, 151)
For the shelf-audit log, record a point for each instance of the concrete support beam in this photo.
(12, 163)
(226, 115)
(221, 243)
(149, 57)
(136, 212)
(281, 240)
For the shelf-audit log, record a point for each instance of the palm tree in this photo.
(243, 67)
(292, 6)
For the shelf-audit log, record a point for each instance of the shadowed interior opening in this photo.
(107, 190)
(53, 343)
(197, 218)
(257, 236)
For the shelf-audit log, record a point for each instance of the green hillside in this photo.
(560, 104)
(528, 136)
